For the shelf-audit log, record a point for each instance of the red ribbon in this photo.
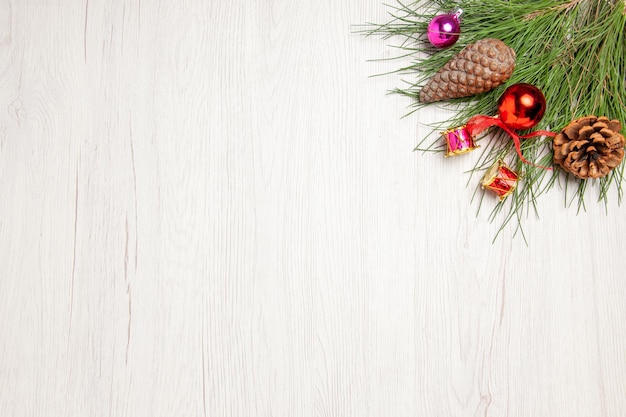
(478, 124)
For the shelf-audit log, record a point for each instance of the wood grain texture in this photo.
(211, 209)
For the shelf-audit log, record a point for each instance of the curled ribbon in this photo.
(478, 124)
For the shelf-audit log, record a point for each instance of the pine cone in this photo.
(478, 68)
(589, 147)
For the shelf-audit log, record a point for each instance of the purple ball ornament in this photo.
(444, 30)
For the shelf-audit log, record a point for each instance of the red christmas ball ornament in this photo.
(521, 106)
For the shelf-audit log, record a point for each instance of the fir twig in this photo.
(574, 51)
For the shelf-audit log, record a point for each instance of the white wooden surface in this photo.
(208, 208)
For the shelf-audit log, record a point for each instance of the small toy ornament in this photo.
(478, 68)
(500, 179)
(459, 140)
(444, 30)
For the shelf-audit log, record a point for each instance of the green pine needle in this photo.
(574, 51)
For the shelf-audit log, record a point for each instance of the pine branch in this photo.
(574, 51)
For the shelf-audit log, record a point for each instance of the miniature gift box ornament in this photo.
(500, 179)
(459, 140)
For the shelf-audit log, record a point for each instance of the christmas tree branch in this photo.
(574, 51)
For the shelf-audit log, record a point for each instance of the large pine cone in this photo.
(589, 147)
(479, 67)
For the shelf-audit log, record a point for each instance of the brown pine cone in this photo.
(479, 67)
(589, 147)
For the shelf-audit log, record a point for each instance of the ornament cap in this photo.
(457, 13)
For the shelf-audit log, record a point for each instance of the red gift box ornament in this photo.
(500, 179)
(521, 106)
